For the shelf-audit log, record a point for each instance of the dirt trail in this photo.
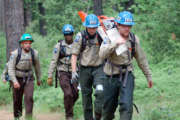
(5, 114)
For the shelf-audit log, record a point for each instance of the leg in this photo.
(126, 99)
(111, 94)
(86, 90)
(65, 78)
(98, 84)
(17, 100)
(28, 98)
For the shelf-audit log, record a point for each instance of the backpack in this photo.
(19, 56)
(85, 37)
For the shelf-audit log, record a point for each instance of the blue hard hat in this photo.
(125, 18)
(91, 21)
(67, 29)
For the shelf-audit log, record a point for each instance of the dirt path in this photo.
(5, 114)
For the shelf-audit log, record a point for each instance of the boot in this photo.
(97, 116)
(69, 118)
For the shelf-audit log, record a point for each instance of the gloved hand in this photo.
(49, 81)
(150, 83)
(74, 78)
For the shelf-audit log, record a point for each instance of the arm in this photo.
(142, 61)
(37, 67)
(12, 66)
(76, 46)
(106, 48)
(54, 60)
(73, 62)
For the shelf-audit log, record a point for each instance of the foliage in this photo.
(157, 24)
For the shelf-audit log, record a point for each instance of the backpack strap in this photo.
(19, 55)
(100, 40)
(62, 52)
(133, 43)
(33, 56)
(84, 40)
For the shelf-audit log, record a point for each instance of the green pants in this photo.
(113, 88)
(90, 77)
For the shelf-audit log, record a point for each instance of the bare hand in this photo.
(16, 85)
(150, 84)
(49, 81)
(38, 83)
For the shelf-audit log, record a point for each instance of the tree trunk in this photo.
(27, 14)
(14, 24)
(42, 21)
(2, 24)
(98, 10)
(128, 4)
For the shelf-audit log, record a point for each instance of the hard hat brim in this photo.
(125, 23)
(91, 26)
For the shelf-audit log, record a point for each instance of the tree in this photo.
(98, 10)
(2, 25)
(42, 21)
(14, 24)
(28, 12)
(127, 4)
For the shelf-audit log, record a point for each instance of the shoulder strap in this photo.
(32, 56)
(99, 38)
(19, 55)
(84, 40)
(62, 52)
(133, 43)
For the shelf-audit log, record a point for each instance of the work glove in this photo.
(49, 81)
(150, 83)
(74, 78)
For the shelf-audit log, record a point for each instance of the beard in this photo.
(26, 49)
(69, 41)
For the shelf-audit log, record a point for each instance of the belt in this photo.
(121, 73)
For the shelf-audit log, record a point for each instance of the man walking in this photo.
(86, 45)
(20, 70)
(62, 62)
(118, 69)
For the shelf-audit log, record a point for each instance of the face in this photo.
(91, 31)
(124, 29)
(69, 38)
(26, 45)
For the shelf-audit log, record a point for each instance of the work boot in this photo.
(97, 116)
(69, 118)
